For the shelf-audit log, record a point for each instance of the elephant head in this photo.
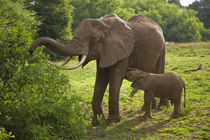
(107, 39)
(140, 79)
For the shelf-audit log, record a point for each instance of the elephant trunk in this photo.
(71, 49)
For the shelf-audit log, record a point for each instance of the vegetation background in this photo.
(38, 101)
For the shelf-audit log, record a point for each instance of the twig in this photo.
(196, 69)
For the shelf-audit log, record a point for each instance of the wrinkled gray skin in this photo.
(166, 85)
(115, 44)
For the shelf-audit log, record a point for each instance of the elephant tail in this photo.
(184, 92)
(184, 96)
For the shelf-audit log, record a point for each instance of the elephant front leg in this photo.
(154, 104)
(117, 73)
(100, 87)
(148, 97)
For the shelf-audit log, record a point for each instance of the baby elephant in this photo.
(166, 85)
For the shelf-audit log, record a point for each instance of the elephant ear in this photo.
(142, 81)
(99, 29)
(138, 85)
(118, 43)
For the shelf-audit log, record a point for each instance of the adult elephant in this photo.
(115, 44)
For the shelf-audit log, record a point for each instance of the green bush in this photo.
(34, 103)
(205, 34)
(4, 135)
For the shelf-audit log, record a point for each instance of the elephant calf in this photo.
(165, 85)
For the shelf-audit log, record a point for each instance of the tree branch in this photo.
(196, 69)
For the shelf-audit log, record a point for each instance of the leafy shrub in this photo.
(4, 135)
(205, 34)
(33, 95)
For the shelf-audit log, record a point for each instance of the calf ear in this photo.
(135, 85)
(138, 85)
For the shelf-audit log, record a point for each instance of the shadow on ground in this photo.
(133, 126)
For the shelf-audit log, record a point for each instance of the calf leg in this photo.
(154, 105)
(177, 108)
(148, 96)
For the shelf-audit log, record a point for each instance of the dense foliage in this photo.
(98, 8)
(33, 99)
(177, 2)
(56, 17)
(203, 8)
(179, 24)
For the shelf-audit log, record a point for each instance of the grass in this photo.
(195, 120)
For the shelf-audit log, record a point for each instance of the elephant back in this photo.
(139, 18)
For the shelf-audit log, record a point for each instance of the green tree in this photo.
(98, 8)
(81, 11)
(56, 17)
(177, 2)
(187, 28)
(178, 25)
(203, 8)
(33, 100)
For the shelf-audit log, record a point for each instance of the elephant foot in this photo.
(96, 120)
(114, 119)
(175, 116)
(147, 116)
(143, 108)
(153, 107)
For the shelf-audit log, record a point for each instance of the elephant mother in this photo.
(115, 44)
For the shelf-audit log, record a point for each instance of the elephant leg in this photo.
(154, 105)
(160, 69)
(117, 73)
(133, 92)
(99, 90)
(148, 97)
(177, 108)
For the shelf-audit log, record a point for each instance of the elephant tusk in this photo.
(66, 61)
(75, 66)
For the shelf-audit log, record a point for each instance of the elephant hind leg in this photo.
(177, 108)
(160, 68)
